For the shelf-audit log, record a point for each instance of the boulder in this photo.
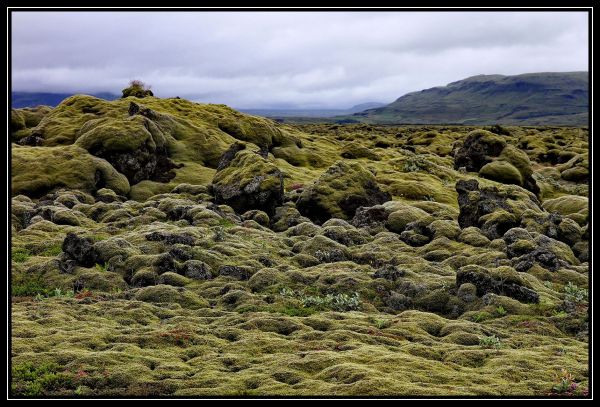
(339, 192)
(493, 209)
(135, 146)
(37, 171)
(503, 280)
(248, 182)
(80, 249)
(490, 155)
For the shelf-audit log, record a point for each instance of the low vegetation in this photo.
(162, 247)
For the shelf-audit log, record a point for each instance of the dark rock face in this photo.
(239, 273)
(370, 216)
(475, 203)
(144, 163)
(180, 254)
(31, 140)
(372, 196)
(472, 209)
(196, 270)
(416, 234)
(229, 155)
(487, 283)
(80, 249)
(164, 263)
(170, 238)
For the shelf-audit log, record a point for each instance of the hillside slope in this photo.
(551, 98)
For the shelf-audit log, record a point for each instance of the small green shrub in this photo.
(37, 380)
(52, 251)
(415, 164)
(575, 294)
(29, 288)
(20, 255)
(138, 89)
(567, 386)
(500, 311)
(226, 223)
(219, 234)
(489, 342)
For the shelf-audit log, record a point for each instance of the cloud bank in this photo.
(287, 59)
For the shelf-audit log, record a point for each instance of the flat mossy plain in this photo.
(191, 299)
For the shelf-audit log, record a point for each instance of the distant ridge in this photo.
(547, 98)
(31, 99)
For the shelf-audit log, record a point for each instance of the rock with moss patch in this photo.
(37, 171)
(339, 192)
(249, 182)
(493, 158)
(493, 209)
(405, 214)
(503, 280)
(355, 150)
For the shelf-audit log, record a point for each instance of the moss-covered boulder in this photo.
(405, 214)
(493, 209)
(135, 146)
(248, 182)
(502, 280)
(478, 149)
(355, 150)
(22, 120)
(567, 205)
(37, 171)
(502, 171)
(495, 159)
(339, 192)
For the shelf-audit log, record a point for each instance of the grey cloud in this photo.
(266, 59)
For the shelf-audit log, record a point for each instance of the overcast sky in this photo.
(275, 59)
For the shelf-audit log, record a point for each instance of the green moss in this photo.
(354, 150)
(20, 255)
(39, 379)
(567, 204)
(502, 171)
(167, 294)
(339, 191)
(39, 170)
(404, 215)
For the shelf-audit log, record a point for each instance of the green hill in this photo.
(549, 98)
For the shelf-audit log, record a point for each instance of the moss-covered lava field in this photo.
(162, 247)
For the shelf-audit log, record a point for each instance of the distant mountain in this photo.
(30, 99)
(549, 98)
(365, 106)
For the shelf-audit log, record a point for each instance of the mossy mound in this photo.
(339, 192)
(248, 182)
(502, 171)
(40, 170)
(355, 150)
